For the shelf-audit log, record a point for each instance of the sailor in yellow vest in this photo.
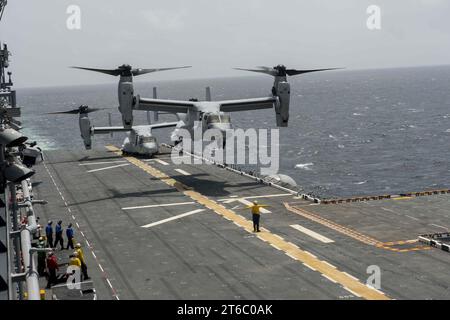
(256, 214)
(79, 251)
(74, 260)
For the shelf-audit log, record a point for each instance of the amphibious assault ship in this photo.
(155, 230)
(152, 229)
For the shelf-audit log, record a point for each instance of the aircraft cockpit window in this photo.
(213, 118)
(147, 139)
(225, 118)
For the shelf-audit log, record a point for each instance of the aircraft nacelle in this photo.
(126, 97)
(282, 107)
(85, 129)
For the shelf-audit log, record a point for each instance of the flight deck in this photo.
(151, 229)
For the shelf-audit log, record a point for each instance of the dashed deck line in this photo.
(113, 290)
(302, 256)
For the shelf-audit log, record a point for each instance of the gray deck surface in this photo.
(205, 256)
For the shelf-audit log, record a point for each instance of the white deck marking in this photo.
(348, 274)
(412, 217)
(309, 253)
(308, 266)
(103, 162)
(352, 292)
(312, 234)
(436, 225)
(183, 172)
(291, 256)
(229, 200)
(111, 167)
(173, 218)
(327, 277)
(389, 210)
(275, 246)
(329, 264)
(159, 205)
(162, 162)
(248, 203)
(293, 244)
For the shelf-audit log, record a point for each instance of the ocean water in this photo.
(350, 133)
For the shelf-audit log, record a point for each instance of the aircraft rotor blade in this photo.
(74, 111)
(265, 70)
(138, 72)
(293, 72)
(95, 109)
(77, 111)
(112, 72)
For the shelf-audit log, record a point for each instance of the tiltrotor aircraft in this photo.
(139, 141)
(209, 114)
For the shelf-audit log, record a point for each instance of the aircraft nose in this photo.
(150, 146)
(220, 126)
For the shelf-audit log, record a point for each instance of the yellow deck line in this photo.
(353, 233)
(333, 225)
(340, 277)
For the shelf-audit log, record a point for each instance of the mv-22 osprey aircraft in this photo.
(209, 114)
(139, 139)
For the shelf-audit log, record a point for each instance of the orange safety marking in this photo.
(352, 233)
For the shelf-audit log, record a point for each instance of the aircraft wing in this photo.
(247, 104)
(106, 130)
(163, 125)
(172, 106)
